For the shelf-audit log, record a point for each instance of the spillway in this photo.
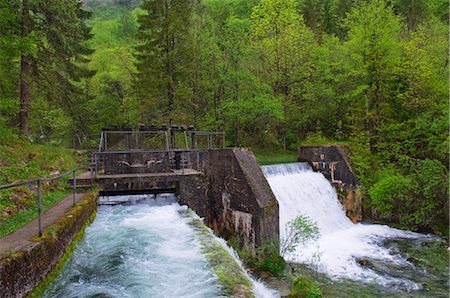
(301, 191)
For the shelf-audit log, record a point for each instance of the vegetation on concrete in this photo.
(67, 230)
(231, 276)
(52, 232)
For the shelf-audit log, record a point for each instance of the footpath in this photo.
(21, 239)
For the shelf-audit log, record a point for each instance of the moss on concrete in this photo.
(22, 272)
(231, 276)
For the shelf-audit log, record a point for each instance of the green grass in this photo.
(16, 221)
(265, 157)
(22, 160)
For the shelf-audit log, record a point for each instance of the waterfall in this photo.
(301, 191)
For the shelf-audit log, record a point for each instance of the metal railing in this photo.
(177, 159)
(38, 189)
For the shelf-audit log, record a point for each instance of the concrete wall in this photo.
(22, 271)
(135, 162)
(233, 197)
(332, 162)
(224, 186)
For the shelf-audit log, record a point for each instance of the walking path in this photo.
(21, 238)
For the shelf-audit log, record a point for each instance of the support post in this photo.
(172, 137)
(39, 207)
(74, 179)
(166, 145)
(194, 140)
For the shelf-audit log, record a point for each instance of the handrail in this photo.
(57, 177)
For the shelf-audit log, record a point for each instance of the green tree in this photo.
(163, 57)
(52, 52)
(283, 44)
(374, 52)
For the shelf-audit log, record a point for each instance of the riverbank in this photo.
(27, 259)
(23, 160)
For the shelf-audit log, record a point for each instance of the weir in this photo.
(225, 186)
(344, 250)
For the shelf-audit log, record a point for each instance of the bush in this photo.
(299, 231)
(270, 259)
(391, 192)
(303, 287)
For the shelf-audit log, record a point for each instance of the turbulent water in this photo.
(342, 245)
(145, 248)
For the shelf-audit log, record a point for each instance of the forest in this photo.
(371, 75)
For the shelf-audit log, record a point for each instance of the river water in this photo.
(365, 254)
(146, 248)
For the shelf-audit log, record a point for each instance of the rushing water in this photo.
(144, 248)
(358, 252)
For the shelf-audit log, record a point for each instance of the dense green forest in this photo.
(272, 74)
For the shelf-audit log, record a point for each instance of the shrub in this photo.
(303, 287)
(299, 231)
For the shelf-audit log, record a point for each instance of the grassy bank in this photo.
(21, 160)
(266, 157)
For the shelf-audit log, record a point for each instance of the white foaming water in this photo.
(145, 250)
(142, 250)
(300, 191)
(259, 288)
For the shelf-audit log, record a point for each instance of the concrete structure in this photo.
(31, 260)
(224, 186)
(333, 163)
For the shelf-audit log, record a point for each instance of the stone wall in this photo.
(332, 162)
(22, 271)
(233, 197)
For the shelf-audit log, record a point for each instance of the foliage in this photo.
(269, 258)
(272, 74)
(303, 287)
(21, 160)
(298, 232)
(267, 157)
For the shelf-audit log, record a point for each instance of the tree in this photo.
(374, 50)
(52, 53)
(163, 56)
(283, 44)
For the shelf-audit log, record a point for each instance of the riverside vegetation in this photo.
(272, 74)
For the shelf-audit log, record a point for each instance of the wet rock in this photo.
(365, 263)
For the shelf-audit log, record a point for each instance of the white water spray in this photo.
(143, 248)
(300, 191)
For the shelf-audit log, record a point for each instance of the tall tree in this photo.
(283, 43)
(374, 52)
(163, 56)
(52, 53)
